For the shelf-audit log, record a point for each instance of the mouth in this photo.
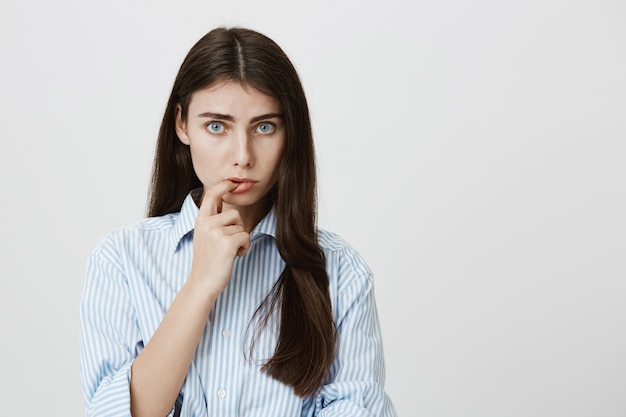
(243, 184)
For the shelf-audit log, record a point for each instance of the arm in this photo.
(109, 336)
(111, 339)
(356, 383)
(159, 371)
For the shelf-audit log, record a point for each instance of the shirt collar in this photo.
(185, 222)
(266, 227)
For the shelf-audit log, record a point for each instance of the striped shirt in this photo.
(132, 278)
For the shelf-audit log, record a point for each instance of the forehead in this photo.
(232, 97)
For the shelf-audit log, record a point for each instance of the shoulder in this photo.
(343, 260)
(148, 229)
(333, 243)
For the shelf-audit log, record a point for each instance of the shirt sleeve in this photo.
(110, 337)
(357, 375)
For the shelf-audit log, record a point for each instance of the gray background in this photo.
(473, 152)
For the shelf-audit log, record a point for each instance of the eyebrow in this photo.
(230, 118)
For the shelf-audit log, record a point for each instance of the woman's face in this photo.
(235, 133)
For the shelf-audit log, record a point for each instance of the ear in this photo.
(181, 127)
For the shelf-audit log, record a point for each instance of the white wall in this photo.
(474, 153)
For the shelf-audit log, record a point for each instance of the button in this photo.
(226, 333)
(221, 392)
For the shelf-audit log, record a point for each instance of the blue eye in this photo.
(215, 127)
(265, 128)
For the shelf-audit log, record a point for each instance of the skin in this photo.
(234, 132)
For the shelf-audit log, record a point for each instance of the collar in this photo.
(186, 219)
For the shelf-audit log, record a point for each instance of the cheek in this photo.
(204, 164)
(275, 160)
(278, 152)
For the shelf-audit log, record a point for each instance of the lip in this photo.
(236, 179)
(243, 184)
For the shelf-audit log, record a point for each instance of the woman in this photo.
(228, 300)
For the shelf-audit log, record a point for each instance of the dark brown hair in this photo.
(307, 337)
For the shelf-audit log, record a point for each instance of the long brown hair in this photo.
(307, 337)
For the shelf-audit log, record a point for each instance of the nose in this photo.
(241, 152)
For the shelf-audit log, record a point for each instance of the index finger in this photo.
(212, 198)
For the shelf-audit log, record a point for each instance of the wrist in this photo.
(202, 287)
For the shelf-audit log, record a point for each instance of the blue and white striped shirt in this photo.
(132, 278)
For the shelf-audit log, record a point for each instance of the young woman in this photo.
(227, 300)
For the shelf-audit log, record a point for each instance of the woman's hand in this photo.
(218, 238)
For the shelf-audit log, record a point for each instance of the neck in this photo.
(251, 215)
